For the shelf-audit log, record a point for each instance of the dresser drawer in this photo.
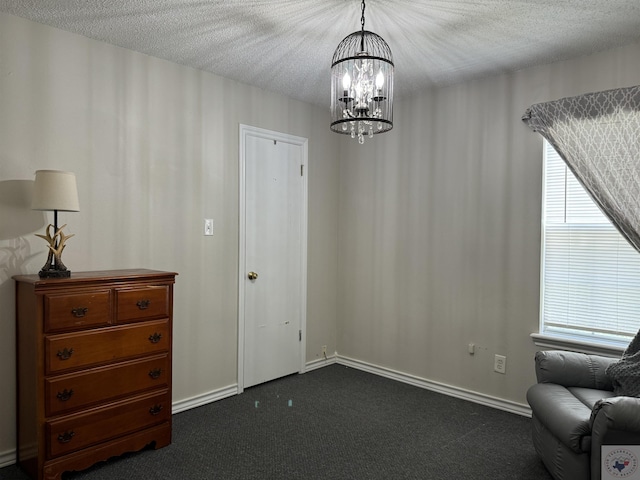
(75, 432)
(76, 311)
(64, 393)
(103, 345)
(142, 303)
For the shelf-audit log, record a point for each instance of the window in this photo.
(590, 285)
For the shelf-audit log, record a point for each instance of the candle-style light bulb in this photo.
(346, 81)
(379, 80)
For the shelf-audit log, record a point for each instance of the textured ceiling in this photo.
(286, 45)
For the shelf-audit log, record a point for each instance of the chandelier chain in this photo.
(362, 32)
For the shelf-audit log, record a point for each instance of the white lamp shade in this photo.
(55, 190)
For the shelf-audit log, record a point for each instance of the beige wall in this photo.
(440, 227)
(154, 146)
(420, 242)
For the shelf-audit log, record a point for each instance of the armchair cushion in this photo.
(590, 396)
(625, 374)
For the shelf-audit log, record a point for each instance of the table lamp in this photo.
(55, 191)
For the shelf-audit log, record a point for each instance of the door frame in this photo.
(246, 131)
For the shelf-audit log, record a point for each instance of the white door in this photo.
(272, 255)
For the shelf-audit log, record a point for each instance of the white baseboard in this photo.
(203, 399)
(7, 458)
(469, 395)
(319, 363)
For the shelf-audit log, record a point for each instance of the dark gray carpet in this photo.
(334, 423)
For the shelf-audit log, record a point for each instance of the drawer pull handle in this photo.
(155, 338)
(65, 353)
(66, 436)
(65, 395)
(155, 410)
(79, 312)
(143, 304)
(155, 373)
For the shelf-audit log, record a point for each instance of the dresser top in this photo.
(96, 276)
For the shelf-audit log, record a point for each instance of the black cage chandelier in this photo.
(362, 85)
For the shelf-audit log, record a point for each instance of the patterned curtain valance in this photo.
(598, 136)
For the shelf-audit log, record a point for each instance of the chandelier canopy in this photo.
(362, 85)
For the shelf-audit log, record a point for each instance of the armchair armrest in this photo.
(616, 413)
(571, 369)
(614, 421)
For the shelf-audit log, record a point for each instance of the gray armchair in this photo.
(575, 412)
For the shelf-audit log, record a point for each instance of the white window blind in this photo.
(590, 274)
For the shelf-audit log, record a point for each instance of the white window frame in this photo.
(552, 337)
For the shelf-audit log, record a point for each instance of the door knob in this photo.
(252, 275)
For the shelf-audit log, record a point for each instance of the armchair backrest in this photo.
(571, 369)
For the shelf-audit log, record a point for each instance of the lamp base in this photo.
(54, 273)
(54, 268)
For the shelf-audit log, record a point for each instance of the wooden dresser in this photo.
(93, 367)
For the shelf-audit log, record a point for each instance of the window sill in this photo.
(560, 343)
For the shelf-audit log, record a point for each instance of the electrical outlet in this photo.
(324, 350)
(500, 364)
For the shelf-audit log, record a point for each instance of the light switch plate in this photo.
(208, 226)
